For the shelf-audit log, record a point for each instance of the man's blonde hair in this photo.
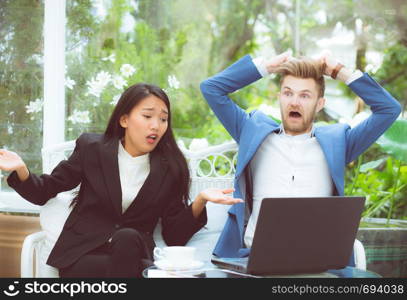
(304, 67)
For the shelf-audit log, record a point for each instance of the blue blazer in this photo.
(340, 143)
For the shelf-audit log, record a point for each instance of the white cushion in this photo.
(52, 219)
(54, 214)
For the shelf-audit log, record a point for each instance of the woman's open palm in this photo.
(220, 196)
(9, 160)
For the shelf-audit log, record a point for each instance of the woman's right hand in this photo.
(10, 161)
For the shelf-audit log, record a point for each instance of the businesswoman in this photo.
(129, 177)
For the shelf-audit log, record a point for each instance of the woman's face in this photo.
(145, 125)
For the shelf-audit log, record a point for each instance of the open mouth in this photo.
(152, 138)
(295, 114)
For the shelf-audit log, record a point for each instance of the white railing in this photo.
(213, 166)
(214, 161)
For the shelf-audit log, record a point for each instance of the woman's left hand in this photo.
(219, 196)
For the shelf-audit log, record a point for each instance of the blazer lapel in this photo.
(247, 149)
(332, 150)
(110, 166)
(249, 145)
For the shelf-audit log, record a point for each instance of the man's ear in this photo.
(320, 104)
(123, 121)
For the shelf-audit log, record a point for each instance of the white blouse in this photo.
(133, 172)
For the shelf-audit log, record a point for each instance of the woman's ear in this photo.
(123, 121)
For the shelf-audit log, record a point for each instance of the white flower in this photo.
(115, 99)
(97, 85)
(79, 117)
(173, 82)
(95, 88)
(69, 83)
(127, 70)
(34, 106)
(119, 82)
(111, 58)
(198, 144)
(103, 78)
(37, 58)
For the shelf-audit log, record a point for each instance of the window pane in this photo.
(21, 80)
(114, 44)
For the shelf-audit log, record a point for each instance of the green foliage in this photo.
(379, 186)
(383, 180)
(21, 78)
(393, 73)
(394, 140)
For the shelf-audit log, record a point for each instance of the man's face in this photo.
(299, 104)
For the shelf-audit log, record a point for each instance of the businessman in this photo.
(293, 158)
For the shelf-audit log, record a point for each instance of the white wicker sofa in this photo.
(210, 167)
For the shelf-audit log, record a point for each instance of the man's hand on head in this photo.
(273, 63)
(333, 67)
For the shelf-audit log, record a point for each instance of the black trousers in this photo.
(126, 255)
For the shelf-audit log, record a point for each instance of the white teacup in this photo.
(176, 255)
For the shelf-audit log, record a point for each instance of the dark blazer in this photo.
(98, 213)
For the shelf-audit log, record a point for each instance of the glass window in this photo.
(21, 80)
(114, 44)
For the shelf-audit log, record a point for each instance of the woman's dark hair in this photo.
(166, 147)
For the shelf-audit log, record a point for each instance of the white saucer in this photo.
(168, 266)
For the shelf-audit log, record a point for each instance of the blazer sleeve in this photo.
(385, 110)
(216, 89)
(38, 189)
(179, 224)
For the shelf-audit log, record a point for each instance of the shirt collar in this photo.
(280, 130)
(135, 159)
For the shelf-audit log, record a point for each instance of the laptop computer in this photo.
(300, 235)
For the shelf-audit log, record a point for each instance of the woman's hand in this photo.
(219, 196)
(11, 161)
(212, 195)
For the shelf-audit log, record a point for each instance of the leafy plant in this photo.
(384, 180)
(394, 142)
